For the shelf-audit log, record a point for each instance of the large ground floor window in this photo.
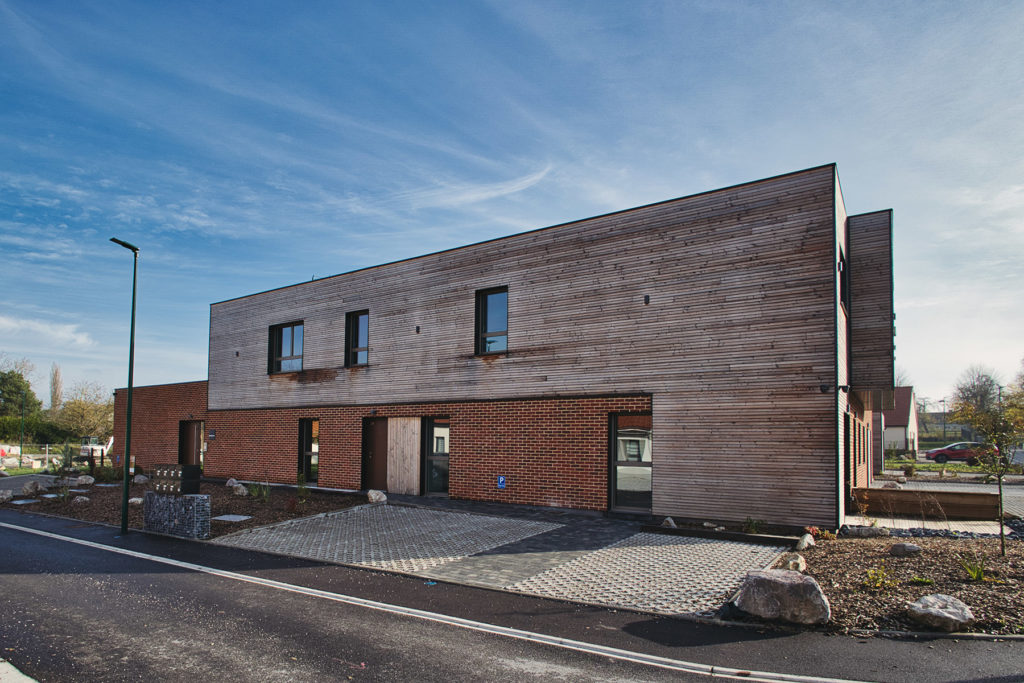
(630, 462)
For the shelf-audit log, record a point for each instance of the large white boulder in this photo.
(784, 594)
(805, 542)
(375, 496)
(6, 495)
(240, 490)
(85, 480)
(140, 479)
(941, 612)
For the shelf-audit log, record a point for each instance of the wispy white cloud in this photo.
(52, 334)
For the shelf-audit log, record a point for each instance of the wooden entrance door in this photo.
(375, 453)
(190, 442)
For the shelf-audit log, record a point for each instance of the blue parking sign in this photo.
(501, 481)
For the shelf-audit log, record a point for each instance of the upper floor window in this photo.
(492, 320)
(357, 332)
(844, 280)
(285, 348)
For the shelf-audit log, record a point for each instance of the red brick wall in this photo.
(552, 451)
(156, 412)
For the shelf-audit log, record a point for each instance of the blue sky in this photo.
(246, 146)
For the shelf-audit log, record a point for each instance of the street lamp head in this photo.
(126, 245)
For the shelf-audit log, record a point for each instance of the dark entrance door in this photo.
(435, 457)
(375, 453)
(190, 442)
(630, 438)
(309, 449)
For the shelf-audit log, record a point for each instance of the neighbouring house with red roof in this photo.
(900, 424)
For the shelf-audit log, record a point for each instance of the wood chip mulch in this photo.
(105, 506)
(877, 600)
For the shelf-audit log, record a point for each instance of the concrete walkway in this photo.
(564, 555)
(972, 526)
(15, 483)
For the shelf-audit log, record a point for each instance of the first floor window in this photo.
(285, 347)
(492, 320)
(357, 342)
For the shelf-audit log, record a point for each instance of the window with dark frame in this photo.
(844, 280)
(285, 348)
(357, 338)
(492, 320)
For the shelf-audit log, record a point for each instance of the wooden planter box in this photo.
(929, 504)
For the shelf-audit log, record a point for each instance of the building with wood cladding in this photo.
(713, 357)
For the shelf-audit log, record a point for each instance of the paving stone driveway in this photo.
(592, 560)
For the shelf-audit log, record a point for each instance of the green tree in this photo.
(12, 385)
(1001, 423)
(88, 411)
(977, 386)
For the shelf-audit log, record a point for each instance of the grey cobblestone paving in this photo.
(564, 555)
(513, 562)
(390, 537)
(654, 573)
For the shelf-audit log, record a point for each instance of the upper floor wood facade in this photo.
(727, 307)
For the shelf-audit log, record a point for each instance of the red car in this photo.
(962, 450)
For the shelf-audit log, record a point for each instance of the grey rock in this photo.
(805, 542)
(867, 531)
(904, 550)
(6, 495)
(783, 594)
(12, 462)
(794, 562)
(231, 483)
(140, 479)
(33, 487)
(85, 480)
(80, 500)
(892, 485)
(719, 528)
(710, 525)
(375, 496)
(135, 501)
(901, 479)
(669, 523)
(240, 490)
(4, 474)
(941, 612)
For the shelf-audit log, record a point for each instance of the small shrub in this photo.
(827, 535)
(813, 531)
(260, 492)
(752, 526)
(909, 470)
(106, 475)
(301, 490)
(880, 578)
(921, 581)
(974, 566)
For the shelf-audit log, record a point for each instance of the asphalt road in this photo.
(76, 612)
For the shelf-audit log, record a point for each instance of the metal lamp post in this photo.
(131, 367)
(21, 446)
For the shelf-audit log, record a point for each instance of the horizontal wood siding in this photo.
(872, 315)
(739, 333)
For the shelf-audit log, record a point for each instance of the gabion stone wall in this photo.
(185, 516)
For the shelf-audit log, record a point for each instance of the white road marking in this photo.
(555, 641)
